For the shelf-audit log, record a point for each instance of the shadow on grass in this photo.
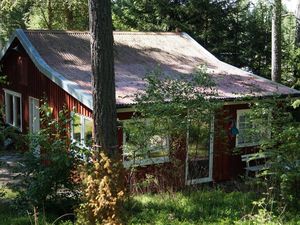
(10, 214)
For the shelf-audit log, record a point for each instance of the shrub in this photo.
(49, 163)
(282, 145)
(103, 191)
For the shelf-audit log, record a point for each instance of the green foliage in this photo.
(49, 164)
(290, 53)
(13, 14)
(10, 137)
(164, 112)
(71, 15)
(175, 101)
(282, 145)
(59, 15)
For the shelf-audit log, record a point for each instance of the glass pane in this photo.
(9, 109)
(198, 150)
(88, 131)
(134, 145)
(158, 146)
(242, 119)
(18, 112)
(77, 128)
(142, 140)
(247, 134)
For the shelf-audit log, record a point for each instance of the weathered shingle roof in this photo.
(65, 57)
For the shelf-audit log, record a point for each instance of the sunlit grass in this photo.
(197, 207)
(201, 207)
(7, 193)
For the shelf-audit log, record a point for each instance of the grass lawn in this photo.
(197, 207)
(208, 206)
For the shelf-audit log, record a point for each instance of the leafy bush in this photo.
(10, 138)
(282, 143)
(49, 164)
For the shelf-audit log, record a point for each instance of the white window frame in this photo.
(7, 111)
(146, 161)
(82, 128)
(239, 113)
(211, 157)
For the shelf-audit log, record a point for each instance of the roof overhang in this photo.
(43, 67)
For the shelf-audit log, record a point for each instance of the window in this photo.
(246, 136)
(82, 129)
(13, 108)
(144, 143)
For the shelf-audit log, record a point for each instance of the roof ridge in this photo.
(115, 32)
(55, 31)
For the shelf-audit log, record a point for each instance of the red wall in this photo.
(25, 78)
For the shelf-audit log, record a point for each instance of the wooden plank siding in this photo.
(25, 78)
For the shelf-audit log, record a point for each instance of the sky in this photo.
(291, 5)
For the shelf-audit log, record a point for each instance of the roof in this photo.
(65, 58)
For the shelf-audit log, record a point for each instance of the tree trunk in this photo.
(297, 35)
(105, 179)
(50, 14)
(276, 41)
(103, 81)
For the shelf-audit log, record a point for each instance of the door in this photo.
(199, 160)
(34, 121)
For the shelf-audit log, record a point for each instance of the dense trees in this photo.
(59, 14)
(49, 14)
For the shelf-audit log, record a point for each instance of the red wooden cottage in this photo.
(56, 64)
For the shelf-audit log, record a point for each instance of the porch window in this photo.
(144, 143)
(246, 137)
(82, 129)
(13, 108)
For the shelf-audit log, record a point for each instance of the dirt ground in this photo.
(8, 163)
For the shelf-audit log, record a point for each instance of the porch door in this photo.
(199, 160)
(34, 120)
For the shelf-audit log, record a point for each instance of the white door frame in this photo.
(32, 128)
(211, 151)
(33, 100)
